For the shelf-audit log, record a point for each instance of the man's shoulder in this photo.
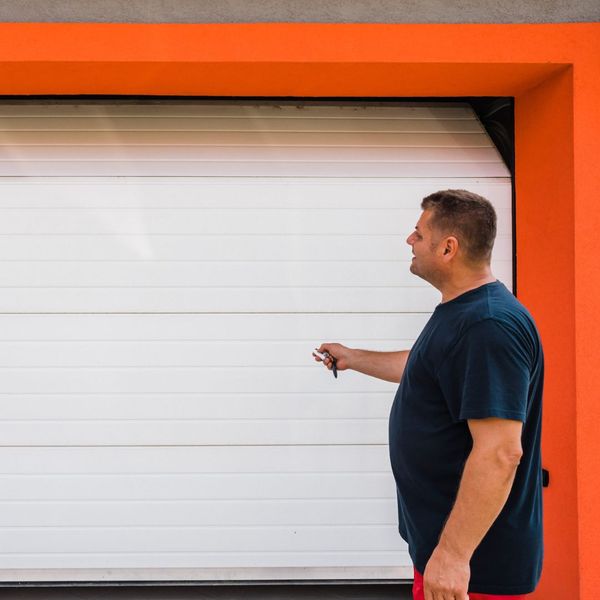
(510, 313)
(488, 316)
(495, 307)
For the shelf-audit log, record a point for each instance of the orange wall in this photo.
(586, 131)
(545, 260)
(554, 73)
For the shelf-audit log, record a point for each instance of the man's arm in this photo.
(484, 488)
(388, 366)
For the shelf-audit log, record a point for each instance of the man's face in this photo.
(426, 261)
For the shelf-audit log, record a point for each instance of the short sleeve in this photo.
(486, 374)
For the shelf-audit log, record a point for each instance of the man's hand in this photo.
(388, 366)
(446, 576)
(342, 355)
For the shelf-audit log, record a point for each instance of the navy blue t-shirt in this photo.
(478, 356)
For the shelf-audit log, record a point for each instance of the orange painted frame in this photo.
(554, 73)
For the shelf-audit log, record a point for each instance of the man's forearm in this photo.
(484, 488)
(383, 365)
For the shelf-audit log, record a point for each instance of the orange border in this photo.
(553, 72)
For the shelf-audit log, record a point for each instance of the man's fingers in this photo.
(445, 596)
(441, 595)
(326, 361)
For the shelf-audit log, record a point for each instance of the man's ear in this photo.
(450, 246)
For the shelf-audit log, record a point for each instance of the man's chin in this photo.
(415, 271)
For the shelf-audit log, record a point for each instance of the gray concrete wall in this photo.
(324, 11)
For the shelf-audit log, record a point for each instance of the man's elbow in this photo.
(509, 457)
(505, 457)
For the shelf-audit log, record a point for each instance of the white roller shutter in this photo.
(166, 271)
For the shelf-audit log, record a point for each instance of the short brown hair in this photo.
(468, 216)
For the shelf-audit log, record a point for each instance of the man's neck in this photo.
(461, 284)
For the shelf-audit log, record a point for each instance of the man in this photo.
(465, 425)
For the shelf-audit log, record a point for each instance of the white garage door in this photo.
(166, 271)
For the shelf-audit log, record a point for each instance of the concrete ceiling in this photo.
(329, 11)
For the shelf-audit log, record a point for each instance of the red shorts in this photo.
(419, 595)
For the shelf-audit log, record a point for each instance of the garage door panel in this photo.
(199, 405)
(214, 327)
(136, 513)
(184, 168)
(193, 459)
(100, 109)
(164, 353)
(251, 153)
(187, 221)
(208, 274)
(205, 539)
(204, 565)
(360, 430)
(112, 120)
(239, 192)
(218, 300)
(189, 486)
(197, 247)
(309, 378)
(56, 139)
(215, 274)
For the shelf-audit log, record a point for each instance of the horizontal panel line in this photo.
(220, 181)
(128, 161)
(376, 114)
(217, 136)
(201, 500)
(178, 260)
(201, 124)
(197, 120)
(352, 114)
(8, 140)
(217, 235)
(187, 527)
(157, 367)
(187, 473)
(152, 260)
(218, 261)
(359, 552)
(215, 208)
(336, 312)
(272, 499)
(190, 130)
(355, 444)
(271, 342)
(212, 420)
(175, 177)
(258, 132)
(149, 208)
(157, 145)
(193, 394)
(210, 287)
